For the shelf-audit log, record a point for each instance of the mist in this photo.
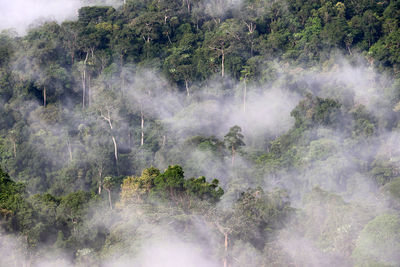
(309, 178)
(21, 15)
(267, 114)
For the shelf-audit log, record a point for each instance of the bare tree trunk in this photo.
(142, 124)
(226, 250)
(84, 80)
(83, 88)
(69, 150)
(348, 49)
(187, 87)
(115, 148)
(233, 155)
(88, 91)
(108, 119)
(100, 176)
(163, 141)
(225, 232)
(14, 148)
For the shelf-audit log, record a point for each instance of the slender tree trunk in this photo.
(169, 39)
(44, 96)
(69, 150)
(348, 49)
(226, 250)
(108, 119)
(115, 148)
(83, 88)
(100, 166)
(88, 91)
(163, 142)
(223, 63)
(15, 149)
(84, 80)
(187, 87)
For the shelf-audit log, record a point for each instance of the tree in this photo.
(7, 48)
(234, 141)
(179, 64)
(246, 72)
(179, 67)
(137, 189)
(200, 189)
(108, 184)
(72, 210)
(107, 102)
(309, 40)
(15, 212)
(258, 214)
(224, 40)
(170, 184)
(379, 242)
(53, 80)
(317, 111)
(69, 36)
(106, 115)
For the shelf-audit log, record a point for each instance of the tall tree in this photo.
(234, 141)
(224, 40)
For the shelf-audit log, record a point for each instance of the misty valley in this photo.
(200, 133)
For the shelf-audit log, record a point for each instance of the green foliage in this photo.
(199, 188)
(85, 134)
(170, 186)
(379, 242)
(322, 148)
(234, 139)
(6, 49)
(364, 123)
(94, 14)
(317, 111)
(330, 222)
(393, 188)
(258, 214)
(170, 183)
(136, 189)
(15, 211)
(383, 171)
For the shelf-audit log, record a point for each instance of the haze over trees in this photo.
(203, 133)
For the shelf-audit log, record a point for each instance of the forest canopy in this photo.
(207, 133)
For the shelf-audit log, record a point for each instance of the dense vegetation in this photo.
(107, 121)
